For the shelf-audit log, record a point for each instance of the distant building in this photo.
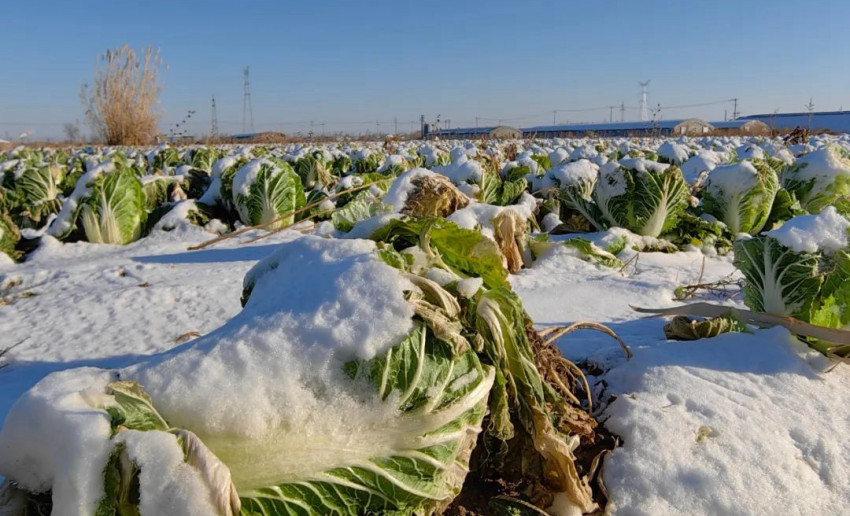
(742, 125)
(504, 132)
(692, 127)
(835, 121)
(501, 132)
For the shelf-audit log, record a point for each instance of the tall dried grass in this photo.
(121, 104)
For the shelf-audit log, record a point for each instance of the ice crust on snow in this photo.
(825, 232)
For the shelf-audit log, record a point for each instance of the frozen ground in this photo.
(740, 424)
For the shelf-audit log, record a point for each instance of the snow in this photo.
(695, 166)
(165, 480)
(824, 166)
(826, 232)
(246, 176)
(732, 180)
(46, 429)
(575, 172)
(222, 164)
(469, 287)
(177, 216)
(738, 424)
(611, 182)
(477, 215)
(63, 221)
(403, 186)
(550, 221)
(673, 151)
(304, 319)
(643, 165)
(461, 170)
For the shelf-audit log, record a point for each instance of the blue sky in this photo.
(352, 63)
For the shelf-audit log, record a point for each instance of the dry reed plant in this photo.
(121, 104)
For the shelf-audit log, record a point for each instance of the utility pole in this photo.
(622, 111)
(214, 124)
(422, 126)
(610, 114)
(247, 110)
(644, 113)
(735, 109)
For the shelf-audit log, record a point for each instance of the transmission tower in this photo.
(247, 110)
(644, 112)
(214, 125)
(622, 111)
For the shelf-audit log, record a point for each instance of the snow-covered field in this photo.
(745, 422)
(739, 424)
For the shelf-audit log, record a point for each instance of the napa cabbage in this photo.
(264, 192)
(819, 178)
(643, 196)
(741, 195)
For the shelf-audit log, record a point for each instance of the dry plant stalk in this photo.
(121, 104)
(434, 196)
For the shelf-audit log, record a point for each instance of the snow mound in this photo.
(826, 232)
(732, 180)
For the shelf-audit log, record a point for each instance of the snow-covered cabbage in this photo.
(672, 153)
(366, 161)
(313, 169)
(643, 196)
(575, 182)
(107, 204)
(314, 403)
(819, 178)
(741, 195)
(785, 268)
(264, 192)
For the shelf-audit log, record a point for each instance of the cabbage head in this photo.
(643, 196)
(113, 212)
(38, 187)
(819, 179)
(741, 195)
(264, 192)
